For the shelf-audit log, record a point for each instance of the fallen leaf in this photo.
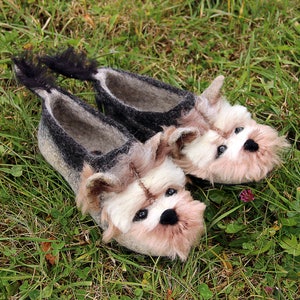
(47, 248)
(28, 46)
(88, 19)
(169, 295)
(227, 264)
(276, 227)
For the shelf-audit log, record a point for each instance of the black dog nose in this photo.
(251, 146)
(168, 217)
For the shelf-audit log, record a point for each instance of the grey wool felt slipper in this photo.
(134, 191)
(226, 146)
(142, 104)
(70, 131)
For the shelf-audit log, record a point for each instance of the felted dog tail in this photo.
(32, 74)
(71, 63)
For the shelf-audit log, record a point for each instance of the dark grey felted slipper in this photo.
(142, 104)
(134, 191)
(70, 131)
(230, 146)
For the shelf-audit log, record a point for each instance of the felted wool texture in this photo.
(54, 157)
(139, 102)
(80, 134)
(70, 131)
(115, 176)
(142, 104)
(217, 153)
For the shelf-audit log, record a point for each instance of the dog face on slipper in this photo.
(230, 146)
(142, 202)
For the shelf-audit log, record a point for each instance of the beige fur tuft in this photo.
(213, 92)
(83, 200)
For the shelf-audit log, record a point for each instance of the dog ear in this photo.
(171, 140)
(183, 135)
(91, 186)
(178, 137)
(159, 147)
(101, 182)
(213, 92)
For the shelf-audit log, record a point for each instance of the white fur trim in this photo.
(164, 176)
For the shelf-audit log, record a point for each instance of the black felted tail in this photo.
(32, 74)
(71, 64)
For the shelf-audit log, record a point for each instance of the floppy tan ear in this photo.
(213, 92)
(183, 135)
(101, 182)
(159, 147)
(178, 137)
(91, 186)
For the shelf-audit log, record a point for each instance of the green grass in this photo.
(251, 250)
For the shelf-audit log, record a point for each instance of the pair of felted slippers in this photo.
(218, 142)
(128, 167)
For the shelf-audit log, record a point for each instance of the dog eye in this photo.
(238, 130)
(221, 150)
(140, 215)
(170, 192)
